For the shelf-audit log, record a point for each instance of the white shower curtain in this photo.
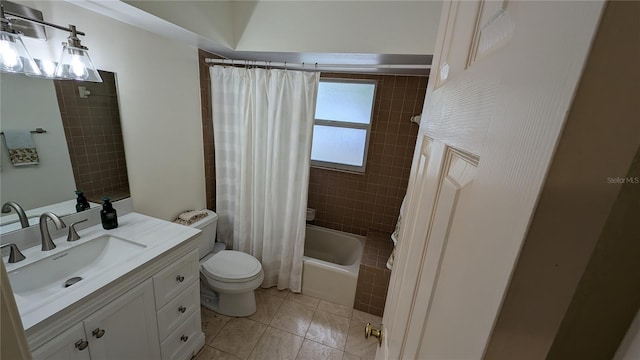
(263, 124)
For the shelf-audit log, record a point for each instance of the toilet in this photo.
(228, 278)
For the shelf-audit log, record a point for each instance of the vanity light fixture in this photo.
(74, 62)
(14, 56)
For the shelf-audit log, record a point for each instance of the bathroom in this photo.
(162, 183)
(151, 54)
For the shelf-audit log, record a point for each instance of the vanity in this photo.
(127, 293)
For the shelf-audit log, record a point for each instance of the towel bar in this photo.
(36, 131)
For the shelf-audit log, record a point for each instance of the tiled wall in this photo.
(357, 203)
(373, 278)
(207, 129)
(94, 137)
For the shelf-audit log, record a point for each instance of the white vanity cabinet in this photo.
(159, 318)
(124, 329)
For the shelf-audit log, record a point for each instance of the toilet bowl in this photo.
(228, 278)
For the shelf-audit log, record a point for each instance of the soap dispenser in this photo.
(108, 215)
(82, 203)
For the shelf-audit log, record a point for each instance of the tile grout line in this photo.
(266, 326)
(257, 342)
(300, 348)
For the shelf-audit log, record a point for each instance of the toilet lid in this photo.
(232, 266)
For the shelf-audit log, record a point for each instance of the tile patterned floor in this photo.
(289, 326)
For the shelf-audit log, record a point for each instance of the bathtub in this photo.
(331, 264)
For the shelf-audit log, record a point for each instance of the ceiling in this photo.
(336, 32)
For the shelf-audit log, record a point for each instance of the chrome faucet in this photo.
(47, 243)
(6, 208)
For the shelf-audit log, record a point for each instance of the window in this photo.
(343, 121)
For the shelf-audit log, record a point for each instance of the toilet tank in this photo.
(207, 239)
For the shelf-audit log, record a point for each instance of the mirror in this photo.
(82, 148)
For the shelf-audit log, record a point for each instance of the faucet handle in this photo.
(73, 234)
(15, 255)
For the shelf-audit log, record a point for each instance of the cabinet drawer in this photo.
(179, 309)
(175, 279)
(184, 341)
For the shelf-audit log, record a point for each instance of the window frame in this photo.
(351, 125)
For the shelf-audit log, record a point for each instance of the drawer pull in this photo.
(184, 338)
(81, 344)
(98, 333)
(182, 309)
(180, 278)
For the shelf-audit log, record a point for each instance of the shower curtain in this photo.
(263, 124)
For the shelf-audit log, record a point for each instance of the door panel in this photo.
(460, 25)
(456, 180)
(493, 30)
(126, 328)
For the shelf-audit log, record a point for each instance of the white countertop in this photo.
(157, 235)
(11, 222)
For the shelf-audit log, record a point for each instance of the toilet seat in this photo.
(229, 266)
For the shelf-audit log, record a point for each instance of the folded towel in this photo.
(191, 216)
(396, 232)
(392, 258)
(396, 235)
(22, 148)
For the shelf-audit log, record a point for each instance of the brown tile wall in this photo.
(94, 137)
(207, 128)
(373, 279)
(357, 203)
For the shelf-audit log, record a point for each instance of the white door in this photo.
(503, 78)
(125, 329)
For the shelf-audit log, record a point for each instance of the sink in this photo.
(69, 268)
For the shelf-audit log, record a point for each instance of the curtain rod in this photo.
(316, 66)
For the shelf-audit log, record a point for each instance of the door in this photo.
(126, 328)
(69, 345)
(502, 81)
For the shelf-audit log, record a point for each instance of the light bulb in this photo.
(77, 67)
(75, 63)
(9, 59)
(48, 68)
